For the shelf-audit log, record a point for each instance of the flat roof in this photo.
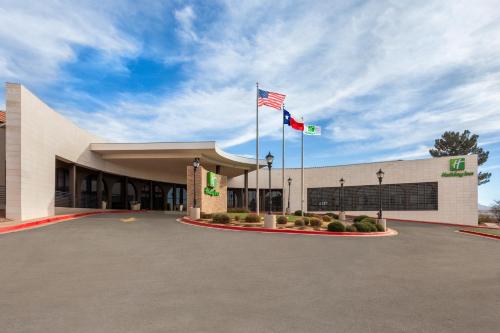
(177, 154)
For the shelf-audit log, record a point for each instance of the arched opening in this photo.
(158, 198)
(63, 197)
(88, 192)
(170, 198)
(116, 196)
(146, 196)
(131, 193)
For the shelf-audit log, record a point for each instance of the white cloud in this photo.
(185, 18)
(38, 37)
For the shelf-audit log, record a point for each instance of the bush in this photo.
(252, 218)
(315, 222)
(379, 227)
(221, 218)
(351, 228)
(326, 218)
(485, 218)
(369, 220)
(205, 215)
(333, 215)
(336, 226)
(298, 213)
(306, 220)
(237, 210)
(365, 227)
(309, 214)
(299, 223)
(281, 219)
(237, 218)
(360, 218)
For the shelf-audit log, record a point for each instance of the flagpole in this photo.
(302, 175)
(283, 164)
(257, 197)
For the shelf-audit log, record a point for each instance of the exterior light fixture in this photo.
(269, 159)
(380, 176)
(196, 164)
(289, 186)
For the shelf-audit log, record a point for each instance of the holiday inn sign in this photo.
(211, 185)
(457, 164)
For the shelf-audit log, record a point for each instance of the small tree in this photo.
(495, 210)
(454, 144)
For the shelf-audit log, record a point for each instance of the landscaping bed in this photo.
(317, 223)
(485, 232)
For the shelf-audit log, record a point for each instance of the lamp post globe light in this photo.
(289, 187)
(269, 160)
(195, 212)
(341, 194)
(380, 220)
(269, 219)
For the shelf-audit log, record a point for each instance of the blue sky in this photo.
(383, 78)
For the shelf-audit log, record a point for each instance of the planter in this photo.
(135, 206)
(104, 204)
(181, 208)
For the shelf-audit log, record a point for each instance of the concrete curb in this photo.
(479, 234)
(189, 221)
(57, 219)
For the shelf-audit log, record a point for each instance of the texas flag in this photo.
(290, 121)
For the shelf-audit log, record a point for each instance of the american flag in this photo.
(271, 99)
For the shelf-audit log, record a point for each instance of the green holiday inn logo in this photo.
(457, 168)
(457, 164)
(211, 185)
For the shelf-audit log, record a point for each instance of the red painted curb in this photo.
(284, 231)
(59, 219)
(479, 234)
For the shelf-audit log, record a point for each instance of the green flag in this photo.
(312, 130)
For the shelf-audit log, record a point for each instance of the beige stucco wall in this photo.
(207, 204)
(36, 134)
(457, 197)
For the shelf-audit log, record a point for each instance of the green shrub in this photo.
(379, 227)
(351, 228)
(306, 220)
(333, 216)
(365, 227)
(205, 215)
(252, 218)
(326, 218)
(309, 214)
(360, 218)
(281, 219)
(336, 226)
(315, 222)
(485, 218)
(237, 218)
(298, 213)
(369, 220)
(221, 218)
(299, 223)
(237, 210)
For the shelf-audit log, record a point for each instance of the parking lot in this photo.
(148, 273)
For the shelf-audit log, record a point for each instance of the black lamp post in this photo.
(196, 164)
(289, 186)
(341, 181)
(380, 176)
(269, 159)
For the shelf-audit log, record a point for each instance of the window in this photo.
(410, 196)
